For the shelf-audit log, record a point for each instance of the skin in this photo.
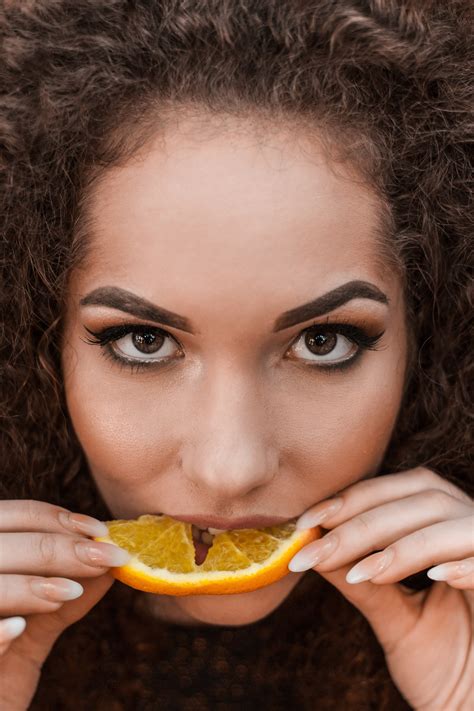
(232, 231)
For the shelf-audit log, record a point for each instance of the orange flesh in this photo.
(215, 569)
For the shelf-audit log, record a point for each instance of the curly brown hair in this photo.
(85, 82)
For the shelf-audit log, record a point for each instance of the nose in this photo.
(227, 451)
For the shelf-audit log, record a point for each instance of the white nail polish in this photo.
(353, 576)
(313, 553)
(370, 567)
(450, 571)
(80, 523)
(313, 517)
(11, 628)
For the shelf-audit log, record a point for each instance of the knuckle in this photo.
(457, 493)
(31, 510)
(427, 477)
(363, 524)
(37, 511)
(47, 549)
(440, 501)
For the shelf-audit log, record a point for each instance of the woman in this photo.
(235, 284)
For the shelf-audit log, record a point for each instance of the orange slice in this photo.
(241, 560)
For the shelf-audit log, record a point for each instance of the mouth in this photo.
(205, 522)
(205, 528)
(203, 538)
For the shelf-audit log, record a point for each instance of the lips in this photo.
(205, 522)
(204, 528)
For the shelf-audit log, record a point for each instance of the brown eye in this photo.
(321, 343)
(319, 346)
(147, 342)
(146, 346)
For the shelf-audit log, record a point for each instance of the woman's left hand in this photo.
(415, 520)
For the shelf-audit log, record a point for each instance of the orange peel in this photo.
(240, 560)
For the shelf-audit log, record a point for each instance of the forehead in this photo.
(232, 209)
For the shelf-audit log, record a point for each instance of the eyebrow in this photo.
(115, 298)
(330, 301)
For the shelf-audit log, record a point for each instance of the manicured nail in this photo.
(451, 571)
(370, 567)
(103, 554)
(80, 523)
(11, 627)
(56, 589)
(313, 553)
(318, 513)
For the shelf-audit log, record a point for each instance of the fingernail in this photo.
(451, 571)
(11, 627)
(80, 523)
(56, 589)
(103, 554)
(370, 567)
(318, 513)
(313, 553)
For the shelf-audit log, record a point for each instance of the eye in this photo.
(323, 347)
(137, 344)
(331, 344)
(144, 345)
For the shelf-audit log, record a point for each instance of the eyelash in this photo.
(108, 335)
(357, 335)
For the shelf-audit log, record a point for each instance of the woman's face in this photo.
(221, 403)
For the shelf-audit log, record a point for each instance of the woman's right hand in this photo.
(44, 549)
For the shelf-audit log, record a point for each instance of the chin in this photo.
(240, 609)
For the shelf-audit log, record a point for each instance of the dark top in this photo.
(315, 652)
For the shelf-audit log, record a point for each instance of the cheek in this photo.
(341, 428)
(125, 430)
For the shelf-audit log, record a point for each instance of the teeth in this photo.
(207, 538)
(201, 535)
(215, 531)
(196, 532)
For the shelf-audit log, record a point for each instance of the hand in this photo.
(414, 519)
(38, 539)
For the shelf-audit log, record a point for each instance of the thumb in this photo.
(390, 611)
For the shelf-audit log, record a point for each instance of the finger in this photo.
(458, 573)
(54, 554)
(10, 629)
(28, 652)
(30, 515)
(466, 583)
(373, 601)
(443, 542)
(376, 528)
(26, 594)
(43, 630)
(369, 493)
